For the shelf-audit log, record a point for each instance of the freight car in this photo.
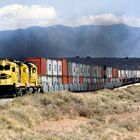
(62, 74)
(47, 75)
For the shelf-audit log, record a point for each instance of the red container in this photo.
(117, 73)
(64, 67)
(40, 63)
(114, 73)
(64, 80)
(81, 80)
(102, 72)
(70, 79)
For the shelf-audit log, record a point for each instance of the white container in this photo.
(59, 68)
(78, 80)
(91, 71)
(134, 73)
(129, 74)
(109, 72)
(119, 74)
(49, 80)
(55, 68)
(138, 73)
(84, 70)
(85, 80)
(59, 80)
(88, 71)
(74, 80)
(73, 69)
(81, 70)
(43, 80)
(89, 80)
(77, 70)
(99, 72)
(49, 67)
(123, 73)
(55, 80)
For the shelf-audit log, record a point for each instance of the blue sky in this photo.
(77, 8)
(68, 12)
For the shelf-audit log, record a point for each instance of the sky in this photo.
(24, 13)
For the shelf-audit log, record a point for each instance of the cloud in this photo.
(104, 19)
(22, 16)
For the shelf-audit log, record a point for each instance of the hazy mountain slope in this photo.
(61, 41)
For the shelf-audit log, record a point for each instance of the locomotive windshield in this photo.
(6, 67)
(1, 67)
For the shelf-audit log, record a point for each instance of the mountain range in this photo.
(61, 41)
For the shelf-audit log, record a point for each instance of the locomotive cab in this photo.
(9, 72)
(33, 76)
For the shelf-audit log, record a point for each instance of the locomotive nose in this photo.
(5, 76)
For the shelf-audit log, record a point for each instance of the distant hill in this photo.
(61, 41)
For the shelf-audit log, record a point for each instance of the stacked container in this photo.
(70, 81)
(55, 71)
(77, 73)
(41, 67)
(81, 79)
(49, 72)
(64, 72)
(59, 69)
(73, 72)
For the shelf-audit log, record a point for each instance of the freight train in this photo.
(47, 75)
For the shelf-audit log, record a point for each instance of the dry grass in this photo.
(20, 118)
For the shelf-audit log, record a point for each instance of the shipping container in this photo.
(134, 73)
(88, 70)
(70, 80)
(129, 74)
(114, 73)
(138, 73)
(81, 70)
(54, 67)
(81, 80)
(49, 67)
(77, 70)
(55, 80)
(78, 80)
(59, 80)
(109, 72)
(99, 71)
(40, 63)
(43, 80)
(65, 80)
(92, 71)
(84, 71)
(59, 68)
(73, 69)
(102, 72)
(64, 67)
(49, 80)
(89, 80)
(74, 80)
(119, 74)
(69, 69)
